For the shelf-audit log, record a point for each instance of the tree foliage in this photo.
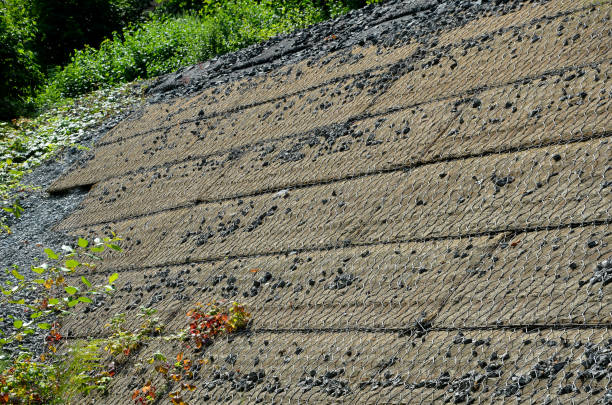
(53, 49)
(20, 73)
(71, 24)
(38, 36)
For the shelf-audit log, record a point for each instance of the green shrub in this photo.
(40, 35)
(129, 11)
(165, 44)
(176, 7)
(326, 8)
(56, 378)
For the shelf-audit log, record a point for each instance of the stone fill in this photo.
(421, 216)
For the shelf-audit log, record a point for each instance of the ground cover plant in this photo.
(205, 324)
(37, 37)
(20, 71)
(56, 94)
(45, 296)
(87, 366)
(38, 302)
(124, 340)
(27, 142)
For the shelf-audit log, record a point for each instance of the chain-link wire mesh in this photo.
(416, 222)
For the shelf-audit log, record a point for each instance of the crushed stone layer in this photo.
(413, 212)
(323, 366)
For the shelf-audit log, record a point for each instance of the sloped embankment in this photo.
(422, 219)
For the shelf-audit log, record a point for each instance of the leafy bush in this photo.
(165, 44)
(76, 373)
(327, 8)
(55, 378)
(129, 11)
(125, 340)
(205, 324)
(107, 42)
(26, 380)
(81, 371)
(54, 296)
(172, 372)
(216, 319)
(37, 35)
(176, 7)
(26, 143)
(82, 367)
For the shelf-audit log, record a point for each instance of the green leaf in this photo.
(85, 281)
(36, 315)
(91, 256)
(97, 249)
(114, 247)
(72, 303)
(113, 278)
(85, 299)
(71, 290)
(16, 274)
(44, 325)
(39, 281)
(38, 270)
(19, 302)
(18, 323)
(28, 331)
(53, 301)
(51, 254)
(83, 243)
(72, 264)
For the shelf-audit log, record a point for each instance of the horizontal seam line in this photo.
(299, 48)
(513, 327)
(395, 169)
(528, 229)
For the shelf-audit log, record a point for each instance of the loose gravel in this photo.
(33, 231)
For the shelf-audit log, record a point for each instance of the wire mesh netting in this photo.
(415, 222)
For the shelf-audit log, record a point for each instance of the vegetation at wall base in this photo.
(70, 370)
